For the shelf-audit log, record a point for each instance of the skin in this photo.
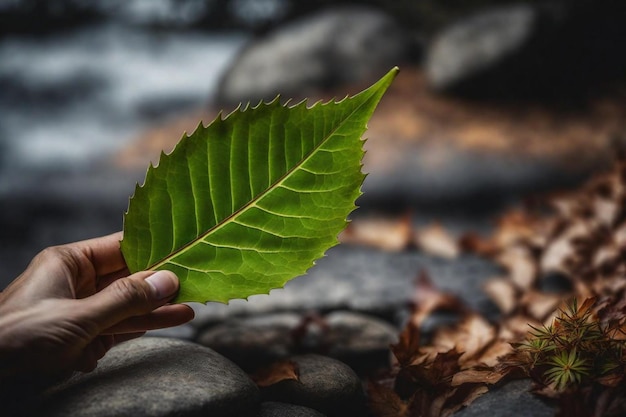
(72, 304)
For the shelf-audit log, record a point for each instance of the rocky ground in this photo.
(431, 157)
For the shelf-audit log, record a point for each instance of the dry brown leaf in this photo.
(462, 397)
(491, 356)
(503, 293)
(515, 226)
(557, 254)
(437, 241)
(521, 265)
(278, 371)
(384, 402)
(540, 305)
(427, 298)
(472, 242)
(619, 235)
(407, 350)
(477, 376)
(470, 337)
(382, 233)
(605, 211)
(515, 328)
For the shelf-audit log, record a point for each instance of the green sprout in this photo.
(568, 369)
(575, 350)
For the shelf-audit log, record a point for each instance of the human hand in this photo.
(73, 303)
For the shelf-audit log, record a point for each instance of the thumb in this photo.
(135, 295)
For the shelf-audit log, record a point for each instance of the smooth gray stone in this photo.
(253, 342)
(343, 44)
(477, 43)
(550, 51)
(325, 384)
(511, 400)
(359, 340)
(156, 377)
(276, 409)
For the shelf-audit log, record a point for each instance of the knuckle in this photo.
(131, 292)
(61, 255)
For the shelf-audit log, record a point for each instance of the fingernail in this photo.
(164, 284)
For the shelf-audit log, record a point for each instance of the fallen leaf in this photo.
(278, 371)
(382, 233)
(498, 349)
(503, 293)
(435, 240)
(470, 337)
(384, 402)
(521, 265)
(427, 298)
(472, 242)
(562, 248)
(514, 227)
(463, 396)
(477, 376)
(516, 327)
(540, 305)
(406, 351)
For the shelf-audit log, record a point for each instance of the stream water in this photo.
(72, 97)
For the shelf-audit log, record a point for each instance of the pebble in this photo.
(477, 44)
(559, 51)
(254, 341)
(326, 385)
(156, 377)
(511, 400)
(359, 340)
(276, 409)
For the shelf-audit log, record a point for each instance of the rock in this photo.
(511, 400)
(276, 409)
(359, 340)
(325, 384)
(340, 45)
(558, 51)
(477, 44)
(252, 342)
(156, 377)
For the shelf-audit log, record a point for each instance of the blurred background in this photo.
(495, 102)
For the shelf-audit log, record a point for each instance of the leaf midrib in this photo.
(252, 202)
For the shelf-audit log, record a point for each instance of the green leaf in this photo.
(250, 201)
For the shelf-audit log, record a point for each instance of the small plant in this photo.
(576, 350)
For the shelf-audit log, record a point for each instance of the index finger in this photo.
(104, 253)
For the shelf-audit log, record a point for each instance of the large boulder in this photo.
(334, 47)
(543, 51)
(478, 44)
(156, 377)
